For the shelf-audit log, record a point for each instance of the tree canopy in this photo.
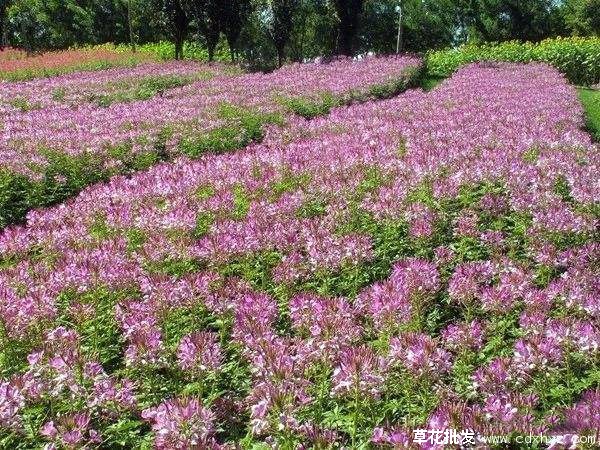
(267, 32)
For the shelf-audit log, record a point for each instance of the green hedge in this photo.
(578, 58)
(193, 51)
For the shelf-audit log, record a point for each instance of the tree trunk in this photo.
(280, 55)
(181, 23)
(3, 7)
(178, 48)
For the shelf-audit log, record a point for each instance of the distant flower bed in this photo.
(578, 58)
(15, 65)
(64, 133)
(10, 54)
(397, 271)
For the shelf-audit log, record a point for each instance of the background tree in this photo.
(314, 32)
(527, 20)
(235, 15)
(208, 18)
(582, 17)
(41, 24)
(426, 24)
(591, 13)
(110, 21)
(280, 22)
(501, 20)
(130, 27)
(348, 13)
(177, 22)
(4, 4)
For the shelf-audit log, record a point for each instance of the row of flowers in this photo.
(54, 140)
(17, 65)
(428, 261)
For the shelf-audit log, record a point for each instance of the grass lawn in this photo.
(591, 102)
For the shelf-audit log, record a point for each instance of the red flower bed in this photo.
(15, 65)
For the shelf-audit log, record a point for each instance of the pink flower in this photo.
(419, 354)
(199, 352)
(359, 372)
(11, 402)
(180, 424)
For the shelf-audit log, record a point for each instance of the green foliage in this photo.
(165, 50)
(48, 24)
(310, 107)
(578, 58)
(315, 106)
(582, 17)
(142, 89)
(242, 126)
(204, 222)
(425, 25)
(62, 177)
(14, 193)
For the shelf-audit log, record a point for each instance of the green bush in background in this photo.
(577, 57)
(165, 51)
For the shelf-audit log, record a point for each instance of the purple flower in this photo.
(199, 352)
(360, 371)
(11, 402)
(395, 437)
(71, 431)
(330, 323)
(464, 337)
(181, 423)
(419, 354)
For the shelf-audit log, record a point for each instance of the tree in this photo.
(177, 22)
(208, 16)
(130, 25)
(501, 20)
(4, 4)
(110, 21)
(582, 17)
(280, 24)
(425, 24)
(591, 13)
(235, 15)
(348, 14)
(529, 20)
(50, 24)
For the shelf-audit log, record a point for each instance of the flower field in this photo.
(61, 134)
(429, 261)
(16, 65)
